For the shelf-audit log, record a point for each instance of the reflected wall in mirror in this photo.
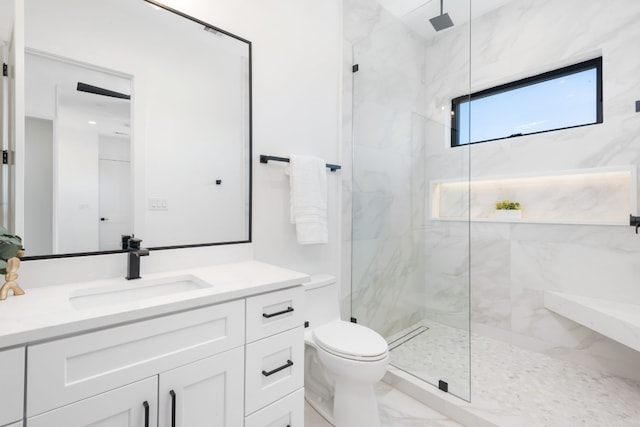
(77, 157)
(172, 164)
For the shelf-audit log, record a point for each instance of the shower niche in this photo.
(593, 196)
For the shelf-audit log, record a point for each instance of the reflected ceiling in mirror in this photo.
(172, 165)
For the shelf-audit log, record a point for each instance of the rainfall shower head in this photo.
(441, 21)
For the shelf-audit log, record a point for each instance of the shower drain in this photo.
(407, 337)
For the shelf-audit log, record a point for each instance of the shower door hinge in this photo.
(5, 69)
(444, 386)
(354, 320)
(355, 68)
(5, 157)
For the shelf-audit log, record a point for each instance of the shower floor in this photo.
(512, 381)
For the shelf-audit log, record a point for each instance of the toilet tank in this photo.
(322, 300)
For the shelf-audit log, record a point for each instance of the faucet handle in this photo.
(134, 243)
(124, 238)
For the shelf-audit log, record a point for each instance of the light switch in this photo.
(158, 204)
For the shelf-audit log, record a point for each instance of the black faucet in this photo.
(634, 221)
(133, 260)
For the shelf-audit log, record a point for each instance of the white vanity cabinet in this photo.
(133, 405)
(11, 385)
(274, 371)
(199, 354)
(229, 355)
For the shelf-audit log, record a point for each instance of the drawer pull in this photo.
(285, 366)
(267, 316)
(146, 413)
(173, 408)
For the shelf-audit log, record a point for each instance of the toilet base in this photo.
(355, 405)
(320, 405)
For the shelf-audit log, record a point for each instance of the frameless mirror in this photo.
(138, 121)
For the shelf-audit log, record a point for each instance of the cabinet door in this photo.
(204, 393)
(11, 385)
(122, 407)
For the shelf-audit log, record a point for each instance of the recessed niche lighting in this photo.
(91, 122)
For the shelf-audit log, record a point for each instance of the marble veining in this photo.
(405, 267)
(509, 381)
(396, 410)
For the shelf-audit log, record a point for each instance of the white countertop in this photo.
(45, 313)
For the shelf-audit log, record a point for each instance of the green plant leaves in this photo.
(508, 205)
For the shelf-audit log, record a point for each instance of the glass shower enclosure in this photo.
(410, 250)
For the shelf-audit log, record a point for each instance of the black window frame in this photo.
(595, 63)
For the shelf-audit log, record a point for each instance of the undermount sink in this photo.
(135, 290)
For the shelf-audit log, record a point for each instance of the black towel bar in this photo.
(265, 159)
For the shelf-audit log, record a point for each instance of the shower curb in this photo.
(459, 410)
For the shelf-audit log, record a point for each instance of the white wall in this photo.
(4, 134)
(296, 59)
(77, 191)
(38, 212)
(296, 80)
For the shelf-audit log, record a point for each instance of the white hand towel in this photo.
(308, 181)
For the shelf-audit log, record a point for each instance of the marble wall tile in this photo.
(419, 186)
(387, 196)
(596, 271)
(490, 273)
(401, 101)
(391, 69)
(446, 267)
(387, 283)
(363, 17)
(516, 266)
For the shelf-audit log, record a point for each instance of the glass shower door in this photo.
(410, 234)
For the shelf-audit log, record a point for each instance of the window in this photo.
(560, 99)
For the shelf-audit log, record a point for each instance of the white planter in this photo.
(508, 214)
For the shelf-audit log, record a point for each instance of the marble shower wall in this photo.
(513, 264)
(387, 191)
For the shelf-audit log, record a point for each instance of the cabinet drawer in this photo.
(70, 369)
(122, 407)
(269, 314)
(274, 368)
(11, 385)
(288, 411)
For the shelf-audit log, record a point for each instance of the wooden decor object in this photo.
(13, 264)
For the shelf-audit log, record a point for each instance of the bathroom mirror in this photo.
(138, 121)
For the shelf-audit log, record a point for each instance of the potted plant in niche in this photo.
(507, 209)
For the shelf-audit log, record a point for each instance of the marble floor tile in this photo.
(396, 410)
(312, 418)
(538, 389)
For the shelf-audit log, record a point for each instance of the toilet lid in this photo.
(350, 340)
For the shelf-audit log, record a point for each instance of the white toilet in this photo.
(343, 360)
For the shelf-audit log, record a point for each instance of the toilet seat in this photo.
(350, 341)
